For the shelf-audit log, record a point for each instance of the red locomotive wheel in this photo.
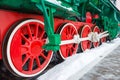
(96, 29)
(67, 32)
(22, 49)
(84, 32)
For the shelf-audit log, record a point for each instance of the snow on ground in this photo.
(76, 66)
(107, 69)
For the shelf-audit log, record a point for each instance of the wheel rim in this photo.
(27, 40)
(84, 32)
(96, 29)
(67, 32)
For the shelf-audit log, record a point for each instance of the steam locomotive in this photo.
(32, 31)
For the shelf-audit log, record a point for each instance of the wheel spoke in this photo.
(64, 34)
(67, 52)
(25, 60)
(74, 48)
(67, 31)
(24, 49)
(73, 32)
(70, 30)
(25, 38)
(29, 31)
(70, 51)
(38, 61)
(42, 54)
(36, 30)
(43, 41)
(30, 64)
(41, 35)
(88, 44)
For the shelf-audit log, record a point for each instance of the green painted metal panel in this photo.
(19, 5)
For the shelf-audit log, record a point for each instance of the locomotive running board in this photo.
(73, 68)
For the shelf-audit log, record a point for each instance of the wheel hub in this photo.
(35, 48)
